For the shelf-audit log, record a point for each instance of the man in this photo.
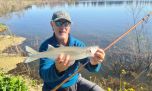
(53, 72)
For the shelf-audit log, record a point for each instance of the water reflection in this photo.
(93, 3)
(105, 3)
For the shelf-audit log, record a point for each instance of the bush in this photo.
(12, 83)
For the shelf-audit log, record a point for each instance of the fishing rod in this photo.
(105, 49)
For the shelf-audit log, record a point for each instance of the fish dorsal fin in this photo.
(62, 46)
(50, 47)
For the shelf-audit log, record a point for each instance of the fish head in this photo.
(91, 50)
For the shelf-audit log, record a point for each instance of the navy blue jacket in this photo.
(48, 70)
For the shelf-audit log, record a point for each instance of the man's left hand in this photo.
(98, 57)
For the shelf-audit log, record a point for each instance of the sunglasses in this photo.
(62, 23)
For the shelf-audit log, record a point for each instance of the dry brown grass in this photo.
(7, 6)
(8, 62)
(8, 41)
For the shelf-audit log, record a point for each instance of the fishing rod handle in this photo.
(79, 69)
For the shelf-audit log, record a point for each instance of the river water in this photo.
(95, 22)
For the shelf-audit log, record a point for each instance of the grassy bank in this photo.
(8, 41)
(8, 6)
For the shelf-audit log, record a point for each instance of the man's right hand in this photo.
(62, 62)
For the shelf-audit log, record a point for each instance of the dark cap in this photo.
(61, 15)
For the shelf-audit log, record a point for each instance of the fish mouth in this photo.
(93, 50)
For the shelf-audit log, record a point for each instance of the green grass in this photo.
(3, 27)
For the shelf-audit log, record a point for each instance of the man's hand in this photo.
(62, 62)
(98, 57)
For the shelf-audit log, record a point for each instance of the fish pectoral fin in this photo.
(30, 50)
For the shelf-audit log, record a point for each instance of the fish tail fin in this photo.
(30, 50)
(30, 53)
(29, 59)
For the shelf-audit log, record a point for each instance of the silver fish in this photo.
(75, 53)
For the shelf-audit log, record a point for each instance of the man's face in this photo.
(61, 28)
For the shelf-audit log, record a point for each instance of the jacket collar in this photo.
(55, 43)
